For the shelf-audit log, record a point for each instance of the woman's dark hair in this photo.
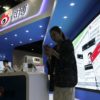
(90, 53)
(5, 61)
(55, 28)
(58, 30)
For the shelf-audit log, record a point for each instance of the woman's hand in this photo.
(50, 52)
(54, 53)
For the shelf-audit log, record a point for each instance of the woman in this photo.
(62, 60)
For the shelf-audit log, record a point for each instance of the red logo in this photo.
(4, 20)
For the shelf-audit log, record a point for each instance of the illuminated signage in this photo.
(21, 13)
(87, 44)
(13, 15)
(37, 60)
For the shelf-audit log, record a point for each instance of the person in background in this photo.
(89, 57)
(7, 68)
(63, 63)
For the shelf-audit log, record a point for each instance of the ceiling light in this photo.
(30, 39)
(72, 4)
(42, 36)
(20, 42)
(51, 43)
(32, 49)
(6, 38)
(6, 7)
(15, 35)
(65, 17)
(27, 31)
(60, 27)
(40, 26)
(12, 44)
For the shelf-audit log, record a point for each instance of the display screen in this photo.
(87, 53)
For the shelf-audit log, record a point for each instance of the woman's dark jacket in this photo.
(65, 68)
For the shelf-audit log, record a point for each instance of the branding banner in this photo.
(21, 13)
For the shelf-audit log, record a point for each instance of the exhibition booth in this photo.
(30, 22)
(24, 24)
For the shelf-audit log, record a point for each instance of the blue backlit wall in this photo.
(6, 54)
(82, 94)
(24, 35)
(72, 16)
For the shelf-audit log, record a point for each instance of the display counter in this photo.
(23, 86)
